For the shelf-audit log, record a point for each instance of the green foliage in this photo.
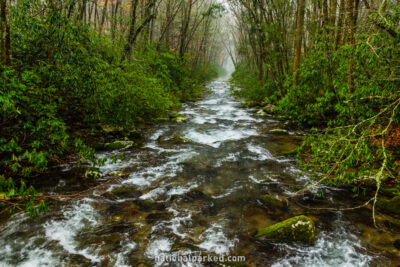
(65, 77)
(251, 88)
(13, 197)
(361, 144)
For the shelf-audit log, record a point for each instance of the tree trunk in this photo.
(340, 23)
(298, 38)
(350, 8)
(5, 34)
(103, 17)
(332, 19)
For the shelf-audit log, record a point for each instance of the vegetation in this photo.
(68, 66)
(337, 71)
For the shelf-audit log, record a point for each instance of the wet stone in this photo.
(147, 205)
(126, 192)
(157, 217)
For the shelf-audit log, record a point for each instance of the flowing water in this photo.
(194, 189)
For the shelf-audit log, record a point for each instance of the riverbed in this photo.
(193, 188)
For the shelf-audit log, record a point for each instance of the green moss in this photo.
(119, 145)
(392, 205)
(292, 152)
(125, 192)
(300, 229)
(389, 191)
(181, 139)
(272, 202)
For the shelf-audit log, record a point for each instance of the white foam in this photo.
(158, 247)
(65, 231)
(214, 138)
(339, 248)
(262, 153)
(216, 241)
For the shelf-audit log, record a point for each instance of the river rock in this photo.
(93, 173)
(179, 118)
(117, 173)
(298, 229)
(181, 139)
(148, 205)
(389, 205)
(269, 108)
(111, 129)
(126, 192)
(278, 131)
(157, 217)
(261, 113)
(272, 202)
(119, 144)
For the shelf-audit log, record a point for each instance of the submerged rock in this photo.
(298, 229)
(181, 139)
(278, 131)
(120, 144)
(147, 205)
(272, 202)
(126, 192)
(93, 173)
(389, 205)
(157, 217)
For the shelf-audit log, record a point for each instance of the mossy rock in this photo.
(118, 173)
(93, 173)
(297, 229)
(125, 192)
(181, 139)
(272, 202)
(261, 113)
(279, 131)
(269, 108)
(179, 118)
(292, 152)
(116, 145)
(389, 205)
(111, 129)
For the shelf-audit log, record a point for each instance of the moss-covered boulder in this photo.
(116, 145)
(389, 205)
(297, 229)
(271, 202)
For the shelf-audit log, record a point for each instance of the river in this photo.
(195, 189)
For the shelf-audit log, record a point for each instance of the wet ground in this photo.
(194, 189)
